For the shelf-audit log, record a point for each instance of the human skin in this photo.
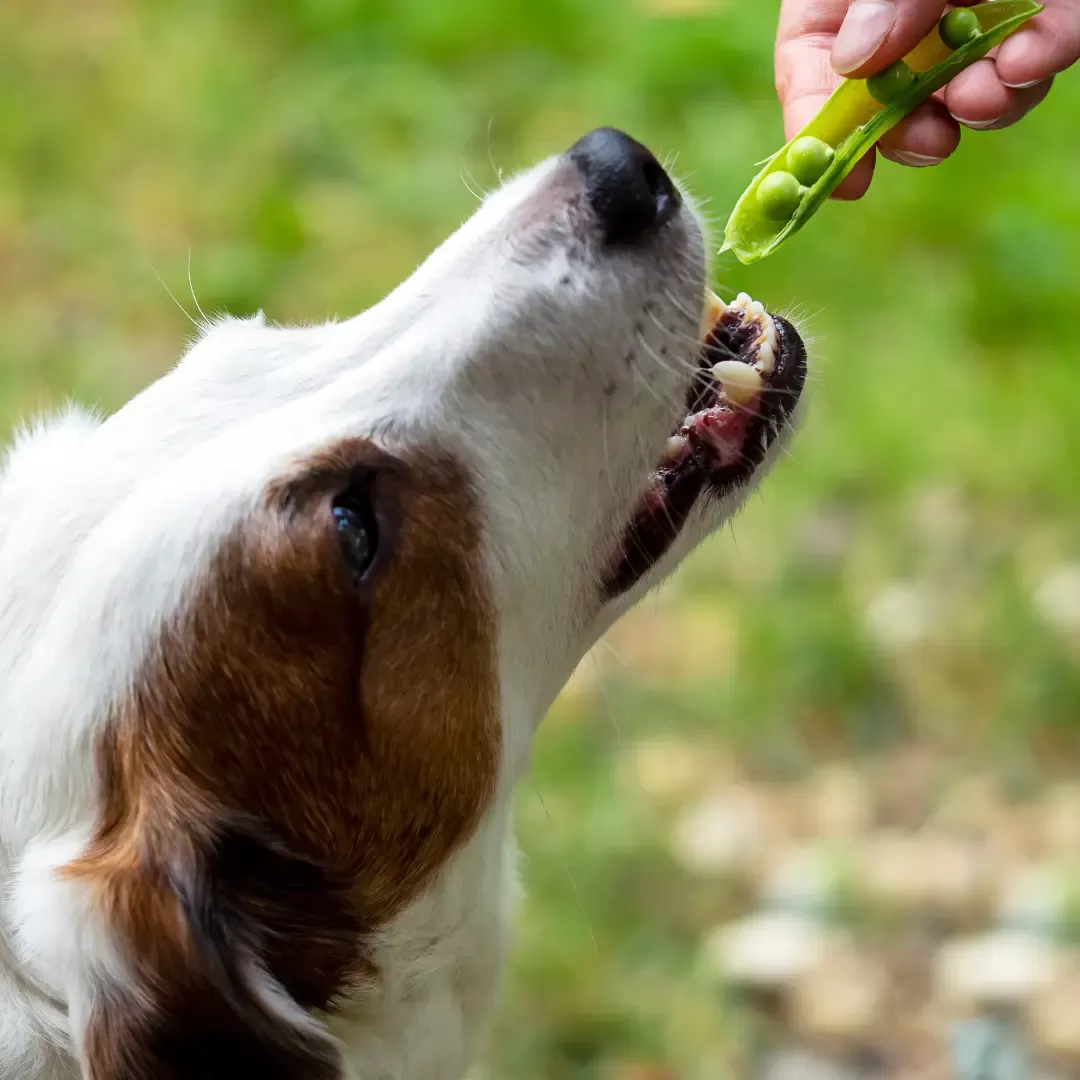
(821, 41)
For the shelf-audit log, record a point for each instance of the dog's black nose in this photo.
(627, 188)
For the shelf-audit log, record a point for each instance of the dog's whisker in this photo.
(191, 288)
(694, 344)
(172, 296)
(566, 869)
(671, 402)
(680, 307)
(477, 195)
(662, 362)
(491, 156)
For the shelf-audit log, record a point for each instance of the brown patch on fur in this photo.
(301, 758)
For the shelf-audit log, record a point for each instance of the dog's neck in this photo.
(436, 975)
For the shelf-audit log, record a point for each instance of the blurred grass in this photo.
(907, 578)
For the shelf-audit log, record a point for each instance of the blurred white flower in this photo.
(901, 616)
(1002, 967)
(718, 836)
(1057, 598)
(767, 949)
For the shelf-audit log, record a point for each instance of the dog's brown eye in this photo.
(358, 531)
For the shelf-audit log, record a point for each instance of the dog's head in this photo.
(278, 632)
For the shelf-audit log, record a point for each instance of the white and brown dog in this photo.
(275, 637)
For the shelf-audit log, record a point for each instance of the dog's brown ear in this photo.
(230, 940)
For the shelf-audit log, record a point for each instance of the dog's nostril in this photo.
(627, 188)
(661, 188)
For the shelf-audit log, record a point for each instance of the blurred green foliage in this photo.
(908, 573)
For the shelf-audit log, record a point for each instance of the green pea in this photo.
(958, 27)
(889, 84)
(808, 159)
(796, 181)
(779, 195)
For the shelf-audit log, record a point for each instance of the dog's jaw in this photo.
(525, 381)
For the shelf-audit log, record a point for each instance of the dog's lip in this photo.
(725, 434)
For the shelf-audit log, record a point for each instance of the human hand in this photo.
(821, 40)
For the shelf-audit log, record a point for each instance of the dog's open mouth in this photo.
(752, 367)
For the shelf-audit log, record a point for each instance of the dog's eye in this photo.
(358, 531)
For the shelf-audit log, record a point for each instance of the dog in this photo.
(276, 635)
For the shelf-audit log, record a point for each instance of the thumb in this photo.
(877, 33)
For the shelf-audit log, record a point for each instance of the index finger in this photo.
(804, 42)
(805, 76)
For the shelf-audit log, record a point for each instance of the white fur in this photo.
(530, 357)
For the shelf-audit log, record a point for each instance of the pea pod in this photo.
(797, 179)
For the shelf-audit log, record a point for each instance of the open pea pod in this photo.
(798, 178)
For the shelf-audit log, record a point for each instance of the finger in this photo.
(981, 101)
(803, 43)
(810, 19)
(800, 111)
(876, 33)
(802, 66)
(856, 184)
(927, 137)
(1046, 46)
(978, 98)
(1021, 102)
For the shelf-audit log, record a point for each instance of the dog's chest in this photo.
(439, 969)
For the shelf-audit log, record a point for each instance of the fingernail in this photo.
(866, 26)
(1021, 85)
(916, 161)
(976, 125)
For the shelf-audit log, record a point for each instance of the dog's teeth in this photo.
(766, 361)
(714, 310)
(742, 303)
(756, 309)
(675, 446)
(766, 348)
(736, 373)
(741, 382)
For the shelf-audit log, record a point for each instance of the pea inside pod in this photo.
(779, 195)
(891, 84)
(797, 180)
(959, 26)
(808, 158)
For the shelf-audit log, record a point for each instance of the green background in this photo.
(904, 584)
